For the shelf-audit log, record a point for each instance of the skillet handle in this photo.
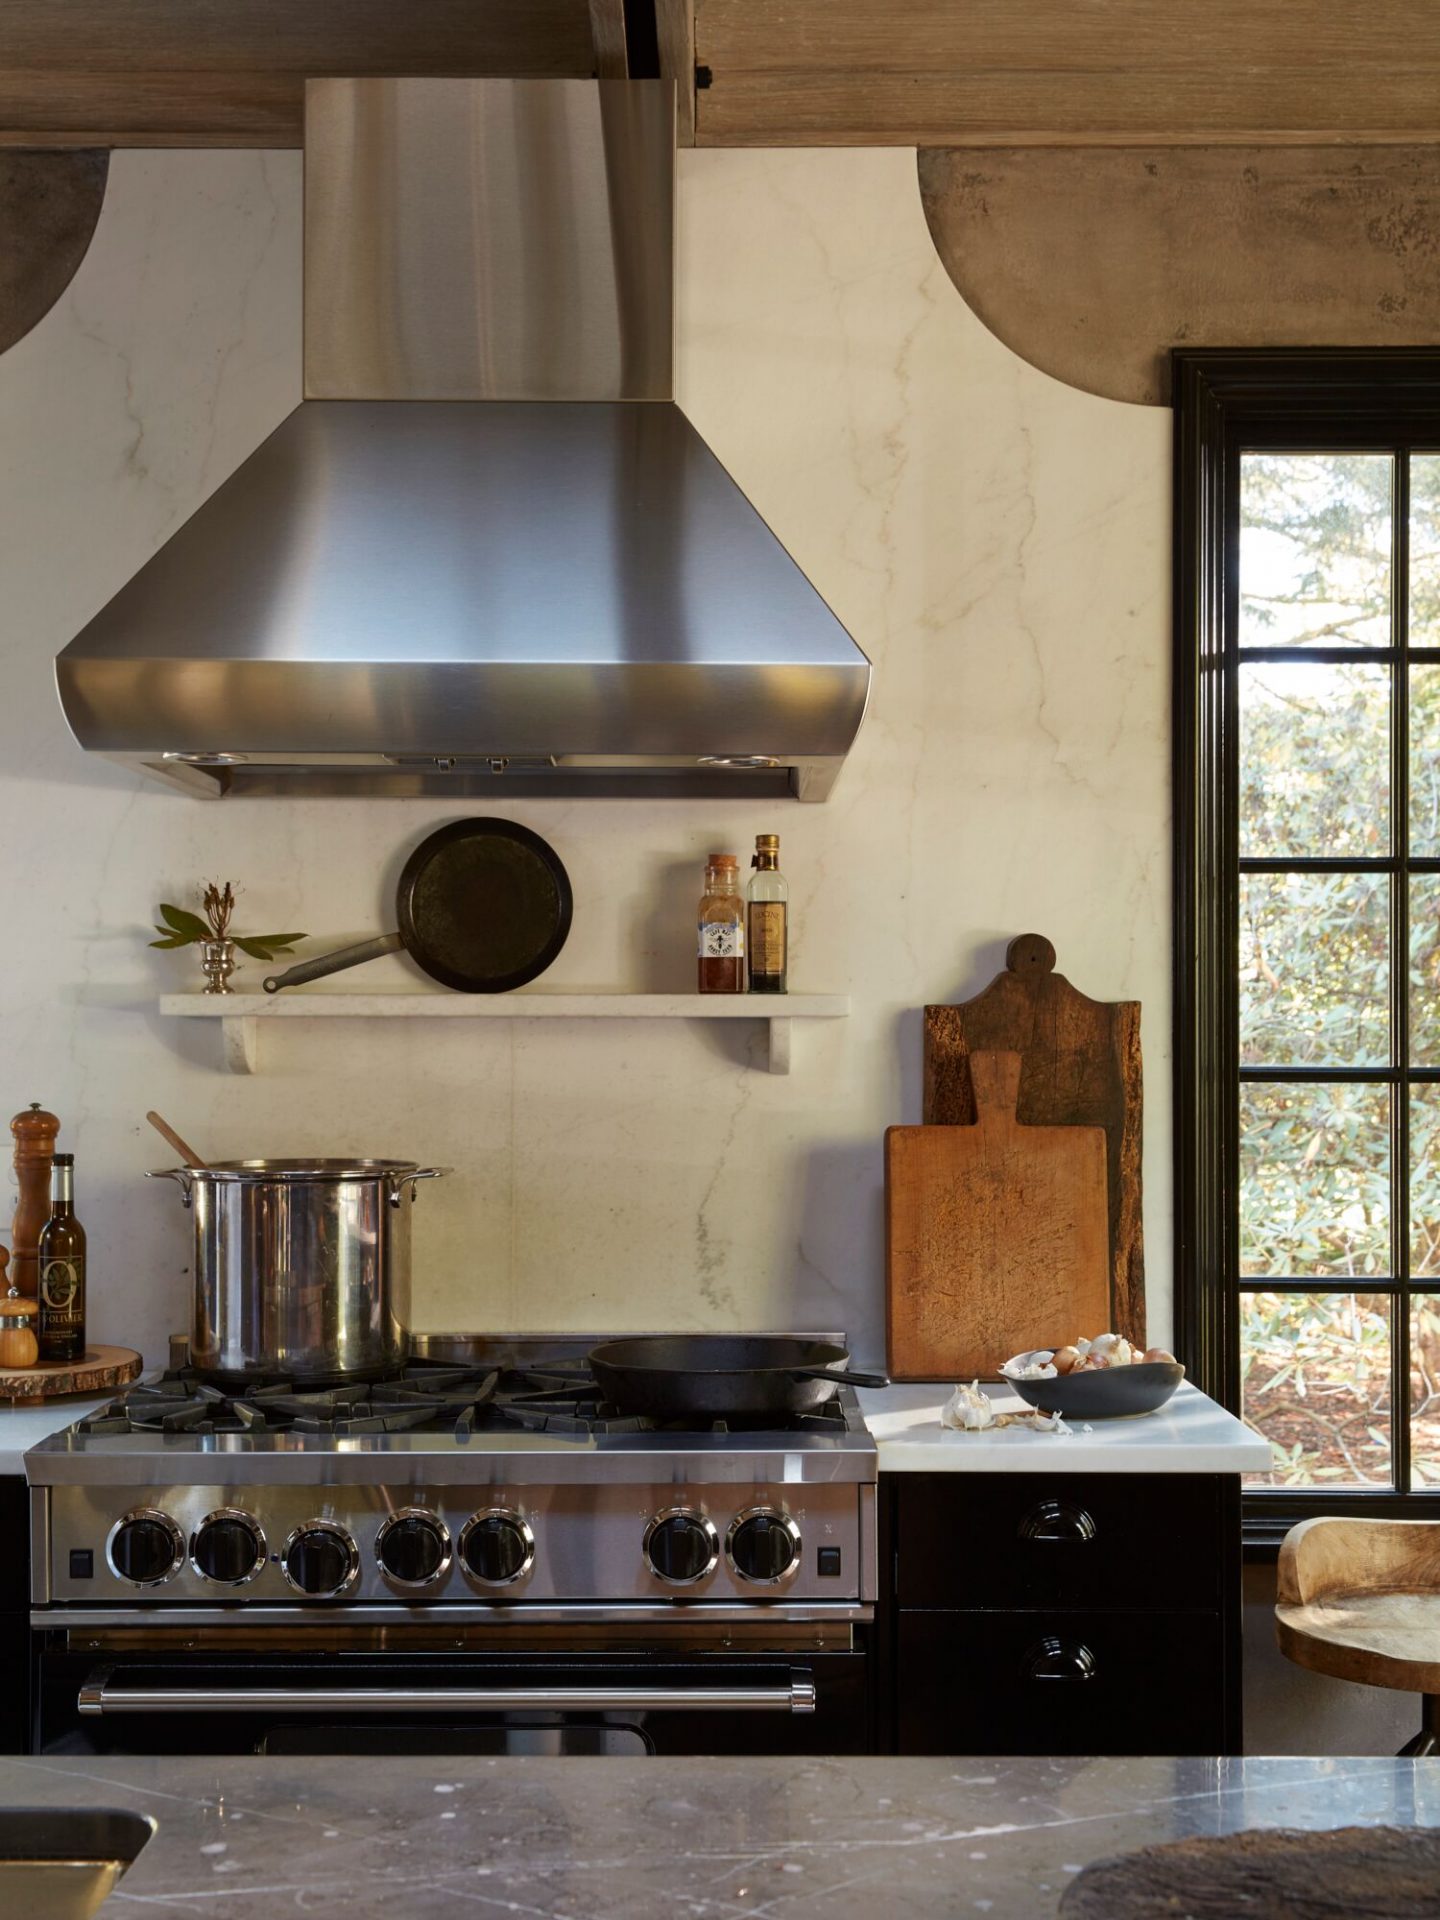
(846, 1379)
(307, 970)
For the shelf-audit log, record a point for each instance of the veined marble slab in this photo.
(706, 1839)
(27, 1423)
(1190, 1434)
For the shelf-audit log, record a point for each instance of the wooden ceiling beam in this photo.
(1067, 72)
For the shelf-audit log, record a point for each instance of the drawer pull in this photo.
(1052, 1659)
(1057, 1520)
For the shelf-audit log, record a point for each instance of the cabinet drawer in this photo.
(1062, 1683)
(1059, 1540)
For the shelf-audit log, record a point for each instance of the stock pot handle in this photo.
(400, 1181)
(182, 1175)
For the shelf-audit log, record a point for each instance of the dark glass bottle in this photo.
(61, 1260)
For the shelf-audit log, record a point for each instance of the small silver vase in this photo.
(217, 958)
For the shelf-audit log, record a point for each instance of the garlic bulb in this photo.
(968, 1410)
(1038, 1364)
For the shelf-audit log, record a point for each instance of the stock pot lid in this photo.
(304, 1169)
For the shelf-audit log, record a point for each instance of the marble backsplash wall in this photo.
(998, 544)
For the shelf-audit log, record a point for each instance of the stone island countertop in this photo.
(707, 1839)
(1189, 1434)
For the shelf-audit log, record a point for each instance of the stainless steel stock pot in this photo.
(302, 1267)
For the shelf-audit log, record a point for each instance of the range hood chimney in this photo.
(487, 555)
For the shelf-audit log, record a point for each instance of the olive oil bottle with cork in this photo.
(62, 1269)
(767, 916)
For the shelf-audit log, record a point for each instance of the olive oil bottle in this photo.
(61, 1261)
(767, 918)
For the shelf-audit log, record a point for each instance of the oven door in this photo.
(441, 1703)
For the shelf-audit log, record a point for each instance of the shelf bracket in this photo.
(240, 1038)
(780, 1045)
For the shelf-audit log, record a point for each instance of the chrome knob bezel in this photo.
(337, 1532)
(447, 1548)
(177, 1542)
(522, 1527)
(779, 1515)
(706, 1525)
(257, 1533)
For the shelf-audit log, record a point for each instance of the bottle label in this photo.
(767, 936)
(60, 1295)
(721, 940)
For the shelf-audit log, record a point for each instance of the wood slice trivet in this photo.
(1350, 1873)
(995, 1235)
(101, 1368)
(1080, 1067)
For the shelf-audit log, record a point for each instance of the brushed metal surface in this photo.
(430, 581)
(798, 1697)
(489, 239)
(588, 1542)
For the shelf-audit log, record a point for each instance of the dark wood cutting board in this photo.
(996, 1235)
(1080, 1067)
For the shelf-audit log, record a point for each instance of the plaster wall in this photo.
(997, 542)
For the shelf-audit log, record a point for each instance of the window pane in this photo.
(1425, 761)
(1425, 550)
(1425, 1182)
(1314, 970)
(1425, 970)
(1315, 549)
(1425, 1390)
(1314, 760)
(1315, 1380)
(1315, 1181)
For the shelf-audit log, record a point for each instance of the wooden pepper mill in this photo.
(35, 1133)
(18, 1346)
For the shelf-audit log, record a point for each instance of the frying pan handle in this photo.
(846, 1379)
(306, 970)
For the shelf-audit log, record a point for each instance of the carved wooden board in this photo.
(1364, 1873)
(101, 1368)
(1080, 1067)
(996, 1235)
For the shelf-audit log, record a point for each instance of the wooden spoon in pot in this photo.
(186, 1152)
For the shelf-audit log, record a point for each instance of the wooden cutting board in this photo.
(997, 1235)
(99, 1369)
(1080, 1067)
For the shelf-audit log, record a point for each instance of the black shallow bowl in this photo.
(1106, 1394)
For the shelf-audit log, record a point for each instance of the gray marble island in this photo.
(574, 1839)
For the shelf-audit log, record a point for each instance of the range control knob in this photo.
(413, 1547)
(320, 1559)
(146, 1547)
(763, 1545)
(496, 1547)
(228, 1547)
(681, 1547)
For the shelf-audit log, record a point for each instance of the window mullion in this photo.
(1400, 974)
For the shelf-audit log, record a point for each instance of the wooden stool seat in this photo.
(1360, 1600)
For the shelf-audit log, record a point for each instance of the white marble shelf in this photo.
(241, 1014)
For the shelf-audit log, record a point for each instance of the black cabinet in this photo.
(14, 1614)
(1064, 1614)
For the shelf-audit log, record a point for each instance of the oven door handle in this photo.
(98, 1697)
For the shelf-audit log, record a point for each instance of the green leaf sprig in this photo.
(183, 928)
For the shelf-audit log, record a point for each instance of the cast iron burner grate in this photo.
(426, 1397)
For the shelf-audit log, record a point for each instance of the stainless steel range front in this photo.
(471, 1557)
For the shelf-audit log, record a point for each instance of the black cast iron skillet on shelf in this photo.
(483, 906)
(722, 1376)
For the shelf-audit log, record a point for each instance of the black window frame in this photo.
(1228, 401)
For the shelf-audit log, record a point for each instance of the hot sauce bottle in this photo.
(721, 927)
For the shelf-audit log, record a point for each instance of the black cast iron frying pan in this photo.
(483, 905)
(722, 1376)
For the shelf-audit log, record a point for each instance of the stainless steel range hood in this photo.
(487, 555)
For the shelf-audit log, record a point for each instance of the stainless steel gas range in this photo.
(478, 1556)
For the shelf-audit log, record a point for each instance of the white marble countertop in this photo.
(25, 1423)
(1190, 1434)
(352, 1838)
